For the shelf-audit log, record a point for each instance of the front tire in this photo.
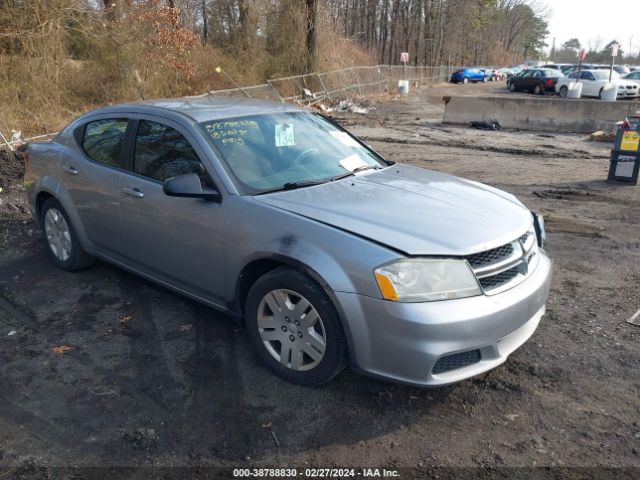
(294, 328)
(538, 90)
(512, 87)
(465, 80)
(60, 238)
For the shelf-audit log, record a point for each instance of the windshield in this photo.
(604, 74)
(272, 151)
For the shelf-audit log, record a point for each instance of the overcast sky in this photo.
(595, 22)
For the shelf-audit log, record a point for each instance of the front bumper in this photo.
(403, 341)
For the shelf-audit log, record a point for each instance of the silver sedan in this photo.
(332, 255)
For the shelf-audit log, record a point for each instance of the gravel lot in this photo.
(152, 378)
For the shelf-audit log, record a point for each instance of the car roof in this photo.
(593, 70)
(201, 108)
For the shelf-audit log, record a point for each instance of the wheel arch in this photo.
(261, 264)
(41, 197)
(58, 192)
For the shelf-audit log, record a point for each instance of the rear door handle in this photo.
(134, 192)
(71, 170)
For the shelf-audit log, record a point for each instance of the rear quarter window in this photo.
(103, 141)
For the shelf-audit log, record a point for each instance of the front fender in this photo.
(324, 268)
(344, 261)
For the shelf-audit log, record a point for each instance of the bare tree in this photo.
(312, 33)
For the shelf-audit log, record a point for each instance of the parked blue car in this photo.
(466, 75)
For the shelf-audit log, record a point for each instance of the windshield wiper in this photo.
(354, 171)
(289, 186)
(296, 185)
(363, 168)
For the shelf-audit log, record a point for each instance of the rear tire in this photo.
(279, 316)
(60, 238)
(600, 94)
(465, 80)
(512, 87)
(563, 91)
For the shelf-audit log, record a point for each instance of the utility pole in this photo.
(553, 50)
(614, 54)
(205, 26)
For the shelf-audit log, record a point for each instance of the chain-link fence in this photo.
(262, 92)
(332, 86)
(353, 82)
(340, 84)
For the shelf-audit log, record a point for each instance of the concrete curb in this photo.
(551, 114)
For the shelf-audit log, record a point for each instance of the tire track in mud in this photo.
(146, 394)
(466, 145)
(216, 390)
(148, 359)
(186, 386)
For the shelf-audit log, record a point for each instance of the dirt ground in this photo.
(154, 379)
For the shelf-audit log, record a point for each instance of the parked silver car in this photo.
(331, 254)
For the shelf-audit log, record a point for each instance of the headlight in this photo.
(538, 225)
(426, 280)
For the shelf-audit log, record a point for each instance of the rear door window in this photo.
(161, 152)
(103, 141)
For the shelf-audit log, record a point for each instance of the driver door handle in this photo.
(134, 192)
(70, 169)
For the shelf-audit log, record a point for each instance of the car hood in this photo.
(415, 211)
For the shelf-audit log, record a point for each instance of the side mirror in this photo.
(189, 186)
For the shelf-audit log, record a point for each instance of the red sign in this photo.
(581, 55)
(404, 57)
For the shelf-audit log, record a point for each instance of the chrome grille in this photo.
(504, 267)
(490, 257)
(499, 279)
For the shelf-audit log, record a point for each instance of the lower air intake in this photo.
(456, 361)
